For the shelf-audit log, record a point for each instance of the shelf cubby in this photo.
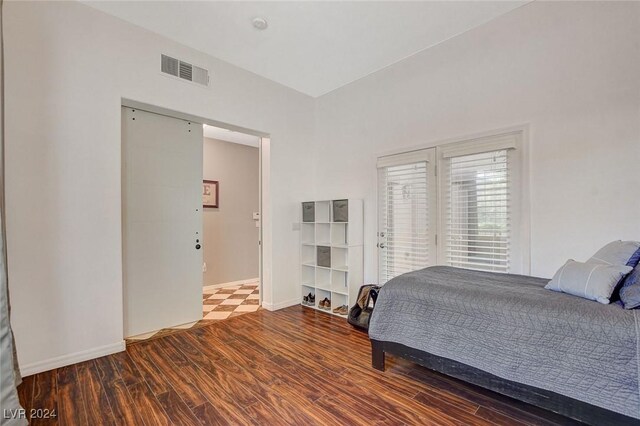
(308, 212)
(308, 233)
(323, 279)
(339, 282)
(308, 276)
(323, 212)
(340, 211)
(339, 258)
(338, 300)
(323, 234)
(308, 254)
(320, 296)
(339, 235)
(306, 289)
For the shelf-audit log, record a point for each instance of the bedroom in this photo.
(567, 72)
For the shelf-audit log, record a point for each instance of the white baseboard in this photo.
(281, 305)
(231, 284)
(61, 361)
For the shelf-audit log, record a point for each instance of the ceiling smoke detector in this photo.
(260, 23)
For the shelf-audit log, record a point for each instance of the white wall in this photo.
(229, 233)
(67, 68)
(569, 70)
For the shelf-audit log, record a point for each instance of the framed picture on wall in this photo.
(210, 193)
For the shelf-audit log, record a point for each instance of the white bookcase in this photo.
(341, 277)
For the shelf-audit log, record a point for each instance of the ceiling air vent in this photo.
(184, 70)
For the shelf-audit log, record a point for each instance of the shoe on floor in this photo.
(341, 310)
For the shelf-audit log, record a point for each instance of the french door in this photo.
(407, 209)
(459, 204)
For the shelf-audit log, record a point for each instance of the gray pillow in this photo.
(593, 281)
(615, 253)
(630, 291)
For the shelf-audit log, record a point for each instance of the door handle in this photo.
(381, 245)
(198, 246)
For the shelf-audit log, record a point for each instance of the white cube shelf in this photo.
(341, 279)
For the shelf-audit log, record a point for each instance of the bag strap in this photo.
(373, 294)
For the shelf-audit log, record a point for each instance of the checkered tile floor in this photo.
(228, 302)
(218, 304)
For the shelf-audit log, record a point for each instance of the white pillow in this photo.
(593, 281)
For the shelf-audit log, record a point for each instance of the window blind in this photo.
(406, 192)
(476, 190)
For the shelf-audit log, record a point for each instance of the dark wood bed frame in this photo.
(548, 400)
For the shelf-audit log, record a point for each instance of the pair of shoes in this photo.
(325, 304)
(309, 300)
(341, 310)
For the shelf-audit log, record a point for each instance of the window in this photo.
(477, 222)
(478, 227)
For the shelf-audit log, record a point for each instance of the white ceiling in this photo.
(311, 46)
(230, 136)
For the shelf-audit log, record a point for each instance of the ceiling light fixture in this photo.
(260, 23)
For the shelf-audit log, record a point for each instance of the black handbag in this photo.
(360, 317)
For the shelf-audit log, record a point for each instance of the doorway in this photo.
(163, 219)
(231, 223)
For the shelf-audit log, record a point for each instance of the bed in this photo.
(508, 334)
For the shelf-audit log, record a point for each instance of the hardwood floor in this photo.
(294, 366)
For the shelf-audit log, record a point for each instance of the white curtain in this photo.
(9, 374)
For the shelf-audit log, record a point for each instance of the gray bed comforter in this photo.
(511, 327)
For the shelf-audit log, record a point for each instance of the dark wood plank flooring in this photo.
(294, 366)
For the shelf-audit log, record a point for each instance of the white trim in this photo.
(266, 240)
(63, 360)
(405, 158)
(230, 284)
(523, 128)
(481, 145)
(281, 305)
(259, 223)
(130, 103)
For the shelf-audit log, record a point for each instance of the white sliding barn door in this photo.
(406, 213)
(162, 221)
